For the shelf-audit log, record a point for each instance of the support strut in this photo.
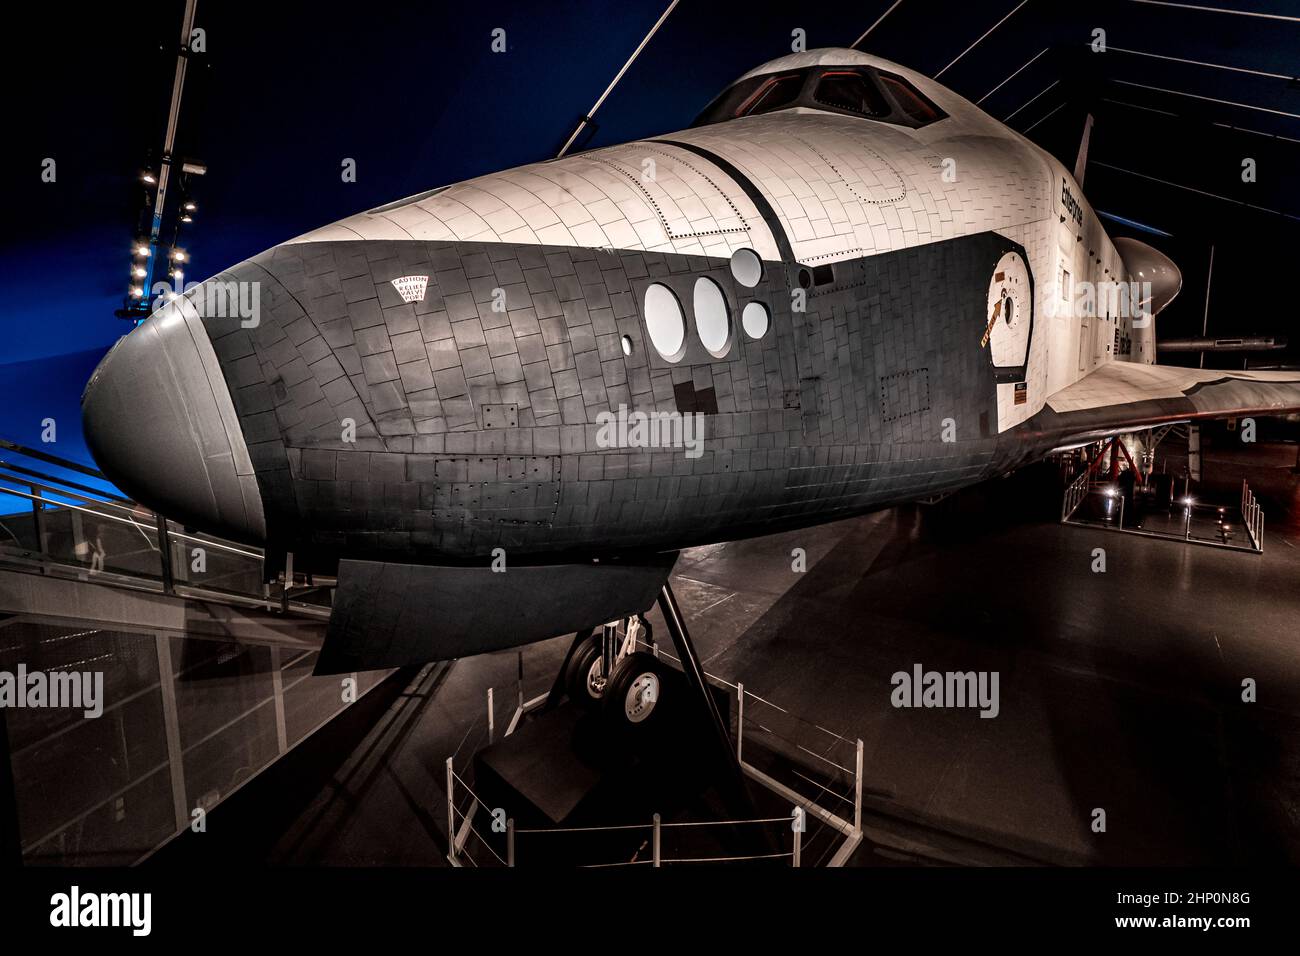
(694, 672)
(731, 781)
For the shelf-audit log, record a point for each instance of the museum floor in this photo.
(1119, 691)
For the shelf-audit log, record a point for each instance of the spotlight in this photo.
(139, 272)
(178, 255)
(190, 207)
(142, 250)
(1187, 501)
(137, 292)
(149, 178)
(186, 219)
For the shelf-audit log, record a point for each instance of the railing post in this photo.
(38, 519)
(510, 842)
(451, 812)
(740, 720)
(277, 695)
(857, 791)
(165, 554)
(655, 846)
(288, 581)
(798, 836)
(521, 680)
(171, 730)
(491, 716)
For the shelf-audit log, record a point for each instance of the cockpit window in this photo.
(911, 100)
(775, 93)
(852, 91)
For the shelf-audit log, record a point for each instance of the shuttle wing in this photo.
(1121, 396)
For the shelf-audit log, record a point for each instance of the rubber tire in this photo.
(575, 677)
(616, 690)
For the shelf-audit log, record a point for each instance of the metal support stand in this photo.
(732, 779)
(694, 672)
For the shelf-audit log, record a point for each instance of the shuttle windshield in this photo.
(852, 90)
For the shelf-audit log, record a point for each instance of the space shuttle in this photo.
(499, 408)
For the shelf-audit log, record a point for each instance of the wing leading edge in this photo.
(1123, 396)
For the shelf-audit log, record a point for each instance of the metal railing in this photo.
(1253, 516)
(837, 760)
(1074, 495)
(502, 839)
(817, 771)
(67, 528)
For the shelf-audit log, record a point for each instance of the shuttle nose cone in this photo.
(160, 422)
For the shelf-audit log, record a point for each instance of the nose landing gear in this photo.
(632, 695)
(606, 672)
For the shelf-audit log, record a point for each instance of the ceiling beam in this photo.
(1007, 118)
(854, 44)
(1217, 66)
(1204, 9)
(1193, 189)
(1012, 76)
(982, 38)
(1209, 99)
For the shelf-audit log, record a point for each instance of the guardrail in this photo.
(820, 777)
(1253, 516)
(837, 759)
(1074, 495)
(460, 823)
(67, 528)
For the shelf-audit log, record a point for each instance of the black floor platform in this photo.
(568, 769)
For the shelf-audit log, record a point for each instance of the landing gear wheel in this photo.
(631, 698)
(583, 681)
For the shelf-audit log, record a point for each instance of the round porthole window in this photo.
(755, 320)
(711, 319)
(746, 267)
(664, 321)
